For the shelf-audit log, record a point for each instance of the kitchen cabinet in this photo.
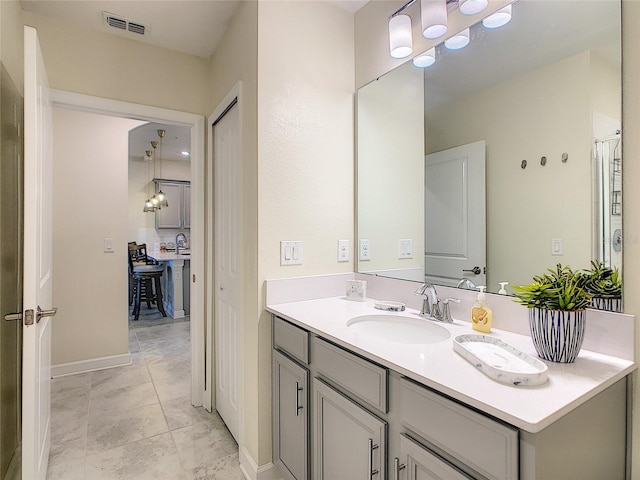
(177, 214)
(290, 417)
(350, 442)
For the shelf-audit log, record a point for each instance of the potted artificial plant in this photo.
(605, 286)
(557, 303)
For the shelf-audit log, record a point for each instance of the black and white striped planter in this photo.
(557, 334)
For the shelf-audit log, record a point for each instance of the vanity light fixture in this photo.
(400, 39)
(425, 59)
(498, 19)
(472, 7)
(458, 41)
(433, 14)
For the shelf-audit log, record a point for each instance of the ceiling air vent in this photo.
(117, 21)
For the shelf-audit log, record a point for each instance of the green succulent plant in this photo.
(601, 281)
(558, 289)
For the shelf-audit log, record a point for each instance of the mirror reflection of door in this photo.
(455, 232)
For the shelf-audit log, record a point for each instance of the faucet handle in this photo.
(446, 313)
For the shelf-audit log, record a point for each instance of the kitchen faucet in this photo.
(178, 236)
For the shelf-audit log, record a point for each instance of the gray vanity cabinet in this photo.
(350, 442)
(290, 417)
(417, 462)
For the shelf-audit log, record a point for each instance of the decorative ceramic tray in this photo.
(500, 361)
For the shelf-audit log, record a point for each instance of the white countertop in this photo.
(438, 366)
(171, 256)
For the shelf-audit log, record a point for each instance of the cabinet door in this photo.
(186, 210)
(290, 417)
(349, 442)
(419, 463)
(171, 216)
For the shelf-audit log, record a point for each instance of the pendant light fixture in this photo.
(498, 19)
(162, 198)
(458, 41)
(400, 40)
(472, 7)
(425, 59)
(433, 14)
(159, 200)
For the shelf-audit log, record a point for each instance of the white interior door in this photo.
(455, 224)
(228, 243)
(38, 168)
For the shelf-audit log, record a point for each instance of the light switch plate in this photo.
(290, 253)
(365, 249)
(343, 250)
(108, 245)
(405, 248)
(556, 247)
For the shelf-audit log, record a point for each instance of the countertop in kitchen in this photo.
(171, 256)
(439, 367)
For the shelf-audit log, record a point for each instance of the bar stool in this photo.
(145, 278)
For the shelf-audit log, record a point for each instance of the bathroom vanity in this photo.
(351, 406)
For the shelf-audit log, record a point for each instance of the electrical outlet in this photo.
(290, 253)
(405, 248)
(343, 250)
(365, 249)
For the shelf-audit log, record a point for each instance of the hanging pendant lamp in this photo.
(400, 41)
(162, 198)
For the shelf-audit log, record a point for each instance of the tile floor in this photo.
(136, 422)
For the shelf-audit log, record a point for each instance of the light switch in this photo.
(290, 253)
(556, 247)
(108, 245)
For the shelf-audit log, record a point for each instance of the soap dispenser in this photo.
(481, 315)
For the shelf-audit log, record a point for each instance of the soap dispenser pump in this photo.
(481, 315)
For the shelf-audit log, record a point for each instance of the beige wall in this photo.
(90, 286)
(556, 198)
(236, 58)
(91, 62)
(391, 171)
(305, 145)
(12, 41)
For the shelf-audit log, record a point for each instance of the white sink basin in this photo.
(399, 329)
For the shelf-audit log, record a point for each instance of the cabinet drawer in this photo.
(291, 339)
(488, 447)
(355, 375)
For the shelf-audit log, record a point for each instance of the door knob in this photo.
(10, 317)
(45, 313)
(475, 270)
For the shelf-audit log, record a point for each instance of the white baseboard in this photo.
(251, 471)
(93, 364)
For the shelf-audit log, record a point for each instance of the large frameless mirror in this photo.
(500, 160)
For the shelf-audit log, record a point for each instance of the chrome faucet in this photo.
(466, 284)
(431, 304)
(178, 236)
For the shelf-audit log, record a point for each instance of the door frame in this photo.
(116, 108)
(234, 93)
